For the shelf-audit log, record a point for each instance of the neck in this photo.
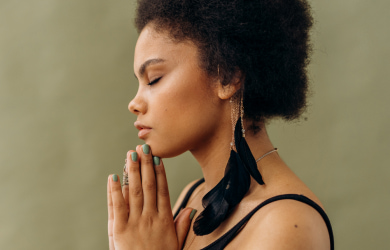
(213, 155)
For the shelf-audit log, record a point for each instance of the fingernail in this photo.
(145, 149)
(115, 178)
(134, 156)
(192, 214)
(156, 160)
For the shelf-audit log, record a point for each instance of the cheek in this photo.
(176, 112)
(181, 121)
(181, 102)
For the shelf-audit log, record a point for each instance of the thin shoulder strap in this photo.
(228, 236)
(187, 197)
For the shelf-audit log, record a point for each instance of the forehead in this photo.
(152, 44)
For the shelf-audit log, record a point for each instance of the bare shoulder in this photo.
(286, 224)
(182, 195)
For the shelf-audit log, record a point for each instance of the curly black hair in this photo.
(265, 41)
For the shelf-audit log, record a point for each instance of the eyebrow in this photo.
(149, 62)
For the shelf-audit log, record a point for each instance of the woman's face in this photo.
(177, 104)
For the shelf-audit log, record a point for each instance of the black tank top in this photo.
(225, 239)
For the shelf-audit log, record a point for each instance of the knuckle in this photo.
(125, 189)
(148, 161)
(118, 205)
(133, 168)
(164, 192)
(119, 230)
(136, 191)
(166, 220)
(116, 188)
(149, 186)
(148, 221)
(159, 170)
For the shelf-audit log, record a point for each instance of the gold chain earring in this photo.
(242, 112)
(237, 111)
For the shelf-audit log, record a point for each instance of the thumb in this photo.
(183, 223)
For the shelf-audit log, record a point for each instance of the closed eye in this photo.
(154, 81)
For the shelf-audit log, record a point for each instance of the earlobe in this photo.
(227, 91)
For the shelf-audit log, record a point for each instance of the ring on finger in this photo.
(125, 177)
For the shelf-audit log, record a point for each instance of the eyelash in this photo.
(154, 81)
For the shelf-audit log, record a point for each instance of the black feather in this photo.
(221, 200)
(245, 154)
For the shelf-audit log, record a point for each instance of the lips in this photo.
(143, 129)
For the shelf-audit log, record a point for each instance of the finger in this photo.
(163, 201)
(111, 242)
(125, 188)
(110, 216)
(148, 179)
(118, 203)
(125, 192)
(135, 186)
(183, 223)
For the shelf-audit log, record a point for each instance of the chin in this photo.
(165, 151)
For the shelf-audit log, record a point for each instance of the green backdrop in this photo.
(66, 77)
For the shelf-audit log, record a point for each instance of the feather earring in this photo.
(220, 201)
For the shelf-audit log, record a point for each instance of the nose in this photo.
(137, 105)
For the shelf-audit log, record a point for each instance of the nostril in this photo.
(136, 107)
(131, 107)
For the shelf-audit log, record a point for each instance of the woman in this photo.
(211, 74)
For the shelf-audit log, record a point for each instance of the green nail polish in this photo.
(145, 149)
(115, 178)
(134, 156)
(192, 214)
(156, 160)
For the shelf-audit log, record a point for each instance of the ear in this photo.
(227, 91)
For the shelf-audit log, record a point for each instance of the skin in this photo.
(185, 110)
